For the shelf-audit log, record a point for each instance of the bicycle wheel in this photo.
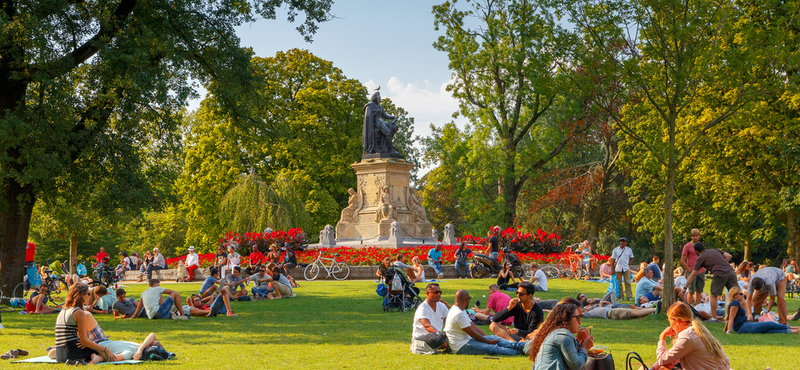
(518, 271)
(6, 309)
(340, 270)
(21, 292)
(564, 270)
(311, 272)
(551, 272)
(58, 293)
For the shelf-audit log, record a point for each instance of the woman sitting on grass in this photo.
(692, 344)
(419, 270)
(504, 276)
(736, 319)
(555, 345)
(73, 345)
(122, 350)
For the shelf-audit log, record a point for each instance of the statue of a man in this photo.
(377, 134)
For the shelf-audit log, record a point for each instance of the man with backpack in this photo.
(621, 258)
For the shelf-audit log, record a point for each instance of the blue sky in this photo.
(387, 43)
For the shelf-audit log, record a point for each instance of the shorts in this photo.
(285, 290)
(620, 314)
(726, 280)
(187, 309)
(698, 284)
(650, 297)
(70, 351)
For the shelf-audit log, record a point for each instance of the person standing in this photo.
(30, 254)
(621, 258)
(102, 255)
(716, 261)
(435, 260)
(688, 259)
(192, 263)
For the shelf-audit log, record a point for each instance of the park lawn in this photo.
(340, 325)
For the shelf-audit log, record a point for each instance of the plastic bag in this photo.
(397, 283)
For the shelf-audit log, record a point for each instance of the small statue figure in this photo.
(435, 234)
(327, 236)
(386, 210)
(418, 213)
(377, 134)
(350, 213)
(449, 235)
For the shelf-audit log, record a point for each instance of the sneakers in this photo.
(796, 316)
(175, 316)
(658, 307)
(712, 320)
(441, 275)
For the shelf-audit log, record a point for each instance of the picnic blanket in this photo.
(48, 360)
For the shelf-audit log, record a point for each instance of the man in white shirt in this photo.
(466, 338)
(192, 263)
(538, 278)
(621, 258)
(429, 318)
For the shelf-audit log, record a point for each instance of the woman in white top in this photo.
(419, 270)
(233, 258)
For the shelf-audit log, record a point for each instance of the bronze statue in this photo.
(377, 133)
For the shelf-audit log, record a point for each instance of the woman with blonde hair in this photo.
(692, 344)
(559, 343)
(73, 345)
(419, 270)
(736, 318)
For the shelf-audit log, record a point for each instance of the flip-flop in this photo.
(21, 352)
(9, 355)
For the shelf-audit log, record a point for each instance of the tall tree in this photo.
(505, 79)
(689, 65)
(87, 84)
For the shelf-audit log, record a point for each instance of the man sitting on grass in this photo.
(497, 302)
(219, 303)
(158, 307)
(538, 278)
(262, 281)
(124, 307)
(209, 286)
(428, 319)
(466, 338)
(234, 282)
(281, 286)
(647, 289)
(527, 314)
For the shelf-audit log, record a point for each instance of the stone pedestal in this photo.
(368, 219)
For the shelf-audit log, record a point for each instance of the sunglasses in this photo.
(436, 291)
(521, 293)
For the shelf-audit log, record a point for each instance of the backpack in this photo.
(397, 283)
(382, 290)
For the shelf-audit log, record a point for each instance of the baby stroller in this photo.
(402, 294)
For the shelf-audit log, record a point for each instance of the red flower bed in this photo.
(372, 256)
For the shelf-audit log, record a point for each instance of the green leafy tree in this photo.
(505, 81)
(88, 85)
(689, 66)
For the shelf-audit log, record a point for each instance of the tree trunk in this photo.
(510, 187)
(748, 250)
(791, 234)
(73, 253)
(669, 295)
(16, 205)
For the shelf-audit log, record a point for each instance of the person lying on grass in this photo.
(73, 345)
(219, 304)
(157, 306)
(125, 307)
(122, 350)
(527, 314)
(692, 344)
(736, 319)
(36, 303)
(623, 313)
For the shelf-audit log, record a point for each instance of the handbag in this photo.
(629, 362)
(603, 361)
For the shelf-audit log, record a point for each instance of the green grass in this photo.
(336, 325)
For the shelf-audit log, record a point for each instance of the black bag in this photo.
(156, 353)
(629, 362)
(603, 361)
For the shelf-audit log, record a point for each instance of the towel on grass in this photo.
(48, 360)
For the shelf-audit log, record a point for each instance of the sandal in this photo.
(22, 352)
(11, 354)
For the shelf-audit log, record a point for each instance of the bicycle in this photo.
(3, 297)
(56, 289)
(570, 265)
(339, 270)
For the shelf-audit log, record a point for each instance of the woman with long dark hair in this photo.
(555, 345)
(504, 276)
(72, 343)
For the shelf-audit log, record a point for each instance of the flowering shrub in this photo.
(539, 243)
(371, 256)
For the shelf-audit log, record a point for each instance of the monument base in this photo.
(382, 155)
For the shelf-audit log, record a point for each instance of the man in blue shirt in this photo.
(647, 289)
(435, 260)
(656, 270)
